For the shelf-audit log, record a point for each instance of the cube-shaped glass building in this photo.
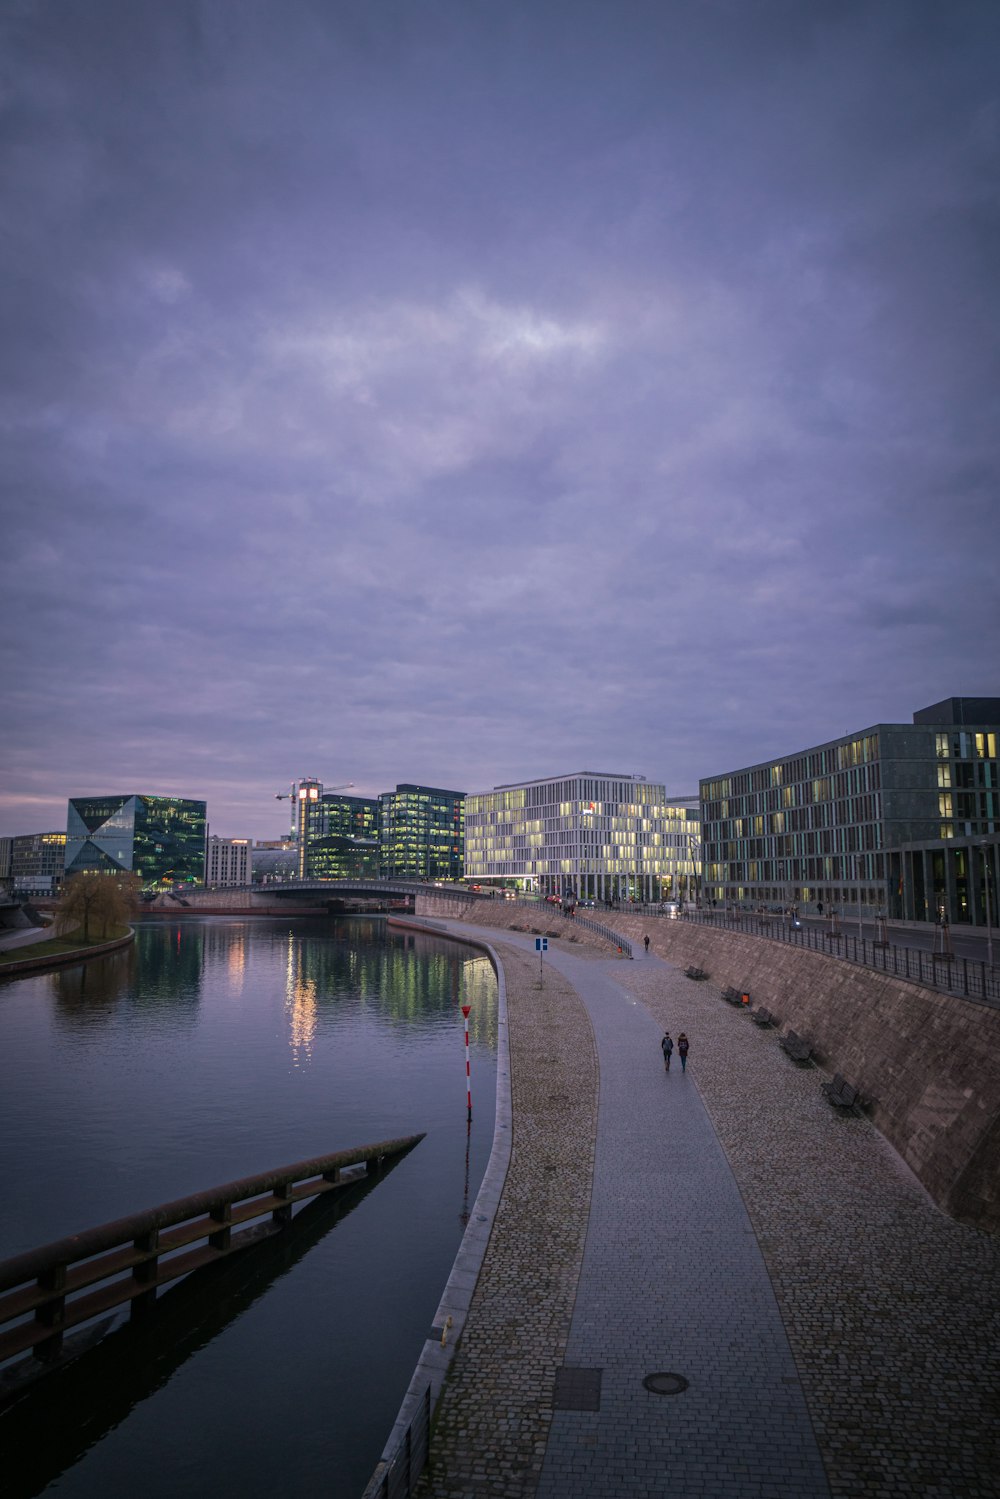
(159, 838)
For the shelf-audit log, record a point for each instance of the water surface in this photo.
(217, 1048)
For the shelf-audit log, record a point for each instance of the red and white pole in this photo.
(468, 1075)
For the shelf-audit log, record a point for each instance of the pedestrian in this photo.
(667, 1047)
(645, 943)
(682, 1051)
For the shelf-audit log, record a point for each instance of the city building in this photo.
(36, 863)
(345, 841)
(593, 835)
(898, 818)
(6, 863)
(274, 860)
(228, 862)
(161, 839)
(305, 797)
(422, 833)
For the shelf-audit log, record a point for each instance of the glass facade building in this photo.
(422, 833)
(592, 835)
(900, 818)
(159, 838)
(345, 845)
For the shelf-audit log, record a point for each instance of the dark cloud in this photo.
(465, 392)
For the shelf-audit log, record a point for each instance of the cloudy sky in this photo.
(464, 391)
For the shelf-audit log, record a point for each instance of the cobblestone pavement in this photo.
(673, 1281)
(891, 1310)
(493, 1417)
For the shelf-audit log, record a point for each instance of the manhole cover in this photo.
(665, 1384)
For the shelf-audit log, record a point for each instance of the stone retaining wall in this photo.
(931, 1061)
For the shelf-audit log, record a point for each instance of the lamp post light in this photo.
(989, 916)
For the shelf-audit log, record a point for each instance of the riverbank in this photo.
(54, 952)
(890, 1309)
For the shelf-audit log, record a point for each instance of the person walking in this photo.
(645, 943)
(682, 1050)
(667, 1047)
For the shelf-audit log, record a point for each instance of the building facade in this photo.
(6, 863)
(422, 833)
(593, 835)
(161, 839)
(897, 818)
(37, 863)
(345, 842)
(228, 862)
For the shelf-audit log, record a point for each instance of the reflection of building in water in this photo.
(236, 958)
(300, 1002)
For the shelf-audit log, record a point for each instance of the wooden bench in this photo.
(760, 1016)
(735, 996)
(843, 1095)
(798, 1048)
(695, 973)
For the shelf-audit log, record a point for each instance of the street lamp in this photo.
(984, 845)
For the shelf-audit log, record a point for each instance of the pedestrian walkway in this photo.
(23, 936)
(833, 1331)
(674, 1283)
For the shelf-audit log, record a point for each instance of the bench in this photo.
(797, 1047)
(760, 1016)
(843, 1095)
(695, 973)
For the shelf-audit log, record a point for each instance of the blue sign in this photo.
(541, 944)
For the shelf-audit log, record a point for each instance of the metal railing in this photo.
(622, 943)
(397, 1478)
(969, 977)
(73, 1281)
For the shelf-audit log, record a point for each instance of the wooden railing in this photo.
(48, 1291)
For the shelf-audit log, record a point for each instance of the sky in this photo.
(464, 393)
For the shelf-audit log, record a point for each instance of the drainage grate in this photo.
(665, 1384)
(577, 1389)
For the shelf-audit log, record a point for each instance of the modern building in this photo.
(228, 862)
(422, 833)
(900, 818)
(6, 863)
(161, 839)
(36, 863)
(595, 835)
(274, 861)
(345, 842)
(305, 796)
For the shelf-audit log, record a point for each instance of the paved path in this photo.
(881, 1330)
(673, 1281)
(23, 936)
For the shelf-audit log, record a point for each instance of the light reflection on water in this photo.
(215, 1049)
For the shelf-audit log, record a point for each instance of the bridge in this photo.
(413, 896)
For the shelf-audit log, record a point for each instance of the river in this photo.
(216, 1048)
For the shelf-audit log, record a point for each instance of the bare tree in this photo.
(98, 901)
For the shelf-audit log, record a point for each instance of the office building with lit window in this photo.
(899, 818)
(37, 863)
(161, 839)
(228, 862)
(345, 845)
(422, 833)
(594, 835)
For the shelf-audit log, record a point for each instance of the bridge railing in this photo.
(969, 977)
(46, 1292)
